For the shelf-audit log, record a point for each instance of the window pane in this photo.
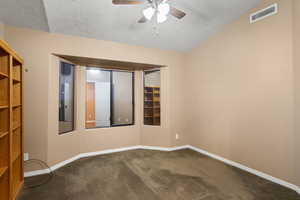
(109, 98)
(66, 98)
(98, 90)
(152, 98)
(122, 109)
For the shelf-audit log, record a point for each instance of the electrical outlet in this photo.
(177, 136)
(26, 156)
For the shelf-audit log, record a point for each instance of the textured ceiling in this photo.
(101, 20)
(24, 13)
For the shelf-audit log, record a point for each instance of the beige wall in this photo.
(240, 96)
(296, 43)
(2, 31)
(152, 79)
(41, 101)
(82, 140)
(233, 96)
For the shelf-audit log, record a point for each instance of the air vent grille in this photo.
(269, 11)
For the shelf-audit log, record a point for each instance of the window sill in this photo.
(109, 127)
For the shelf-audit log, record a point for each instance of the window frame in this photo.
(73, 95)
(112, 98)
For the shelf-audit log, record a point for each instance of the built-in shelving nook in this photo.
(11, 123)
(152, 106)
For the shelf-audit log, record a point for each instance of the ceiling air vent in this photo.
(261, 14)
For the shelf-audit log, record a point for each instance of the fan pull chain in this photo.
(155, 27)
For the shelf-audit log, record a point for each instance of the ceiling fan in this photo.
(159, 8)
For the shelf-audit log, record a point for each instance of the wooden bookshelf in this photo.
(152, 106)
(11, 123)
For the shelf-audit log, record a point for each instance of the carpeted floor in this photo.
(154, 175)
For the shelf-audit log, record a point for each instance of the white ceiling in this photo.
(101, 20)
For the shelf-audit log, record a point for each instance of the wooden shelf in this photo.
(4, 63)
(4, 150)
(17, 105)
(11, 119)
(3, 170)
(3, 75)
(3, 107)
(4, 185)
(16, 94)
(16, 141)
(16, 127)
(4, 91)
(152, 106)
(17, 178)
(16, 81)
(15, 157)
(2, 134)
(4, 120)
(18, 189)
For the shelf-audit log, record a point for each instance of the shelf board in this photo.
(148, 116)
(3, 170)
(17, 105)
(2, 134)
(148, 100)
(16, 127)
(149, 107)
(4, 46)
(3, 107)
(3, 75)
(16, 81)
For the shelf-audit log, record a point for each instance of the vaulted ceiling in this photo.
(100, 19)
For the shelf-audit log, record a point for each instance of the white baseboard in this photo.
(250, 170)
(179, 148)
(36, 172)
(163, 148)
(90, 154)
(229, 162)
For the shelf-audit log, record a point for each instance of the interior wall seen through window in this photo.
(109, 98)
(66, 98)
(122, 93)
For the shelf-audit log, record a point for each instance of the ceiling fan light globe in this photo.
(148, 13)
(164, 8)
(161, 18)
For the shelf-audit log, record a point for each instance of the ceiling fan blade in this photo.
(177, 13)
(127, 2)
(143, 20)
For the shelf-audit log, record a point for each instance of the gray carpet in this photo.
(154, 175)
